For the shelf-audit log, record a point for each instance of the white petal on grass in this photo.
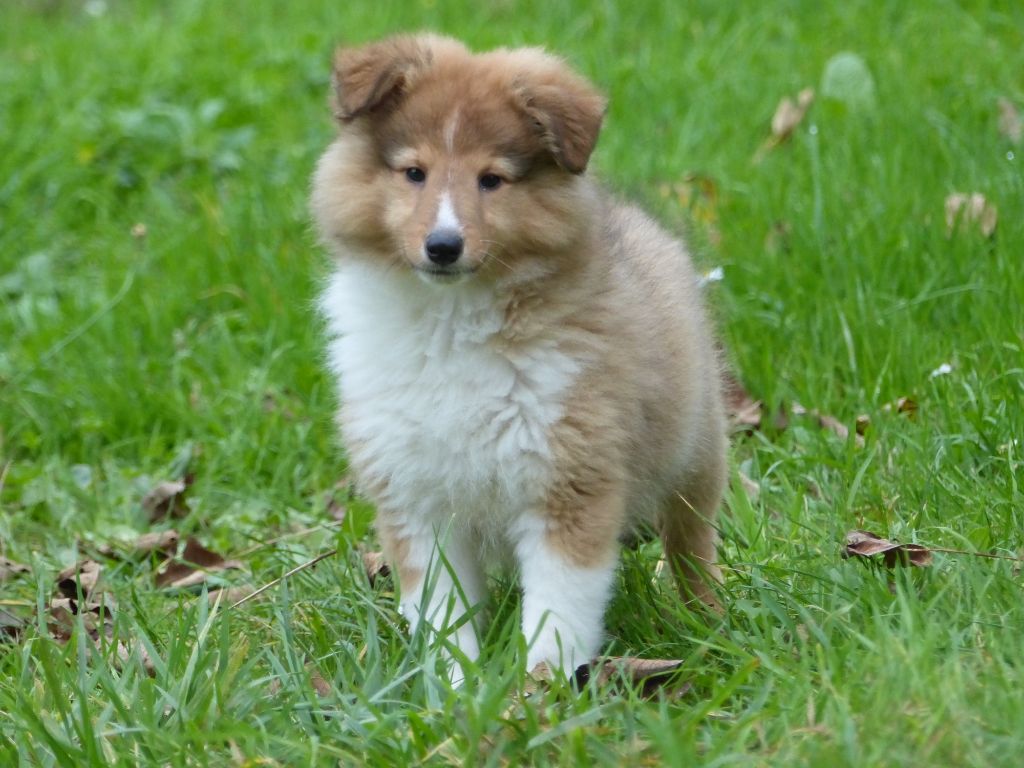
(943, 370)
(715, 275)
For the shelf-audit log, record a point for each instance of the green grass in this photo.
(124, 358)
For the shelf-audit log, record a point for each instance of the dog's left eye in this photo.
(490, 181)
(416, 175)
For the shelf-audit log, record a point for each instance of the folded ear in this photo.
(566, 108)
(372, 75)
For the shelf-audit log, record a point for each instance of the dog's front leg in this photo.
(567, 565)
(441, 581)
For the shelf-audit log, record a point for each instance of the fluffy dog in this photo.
(525, 367)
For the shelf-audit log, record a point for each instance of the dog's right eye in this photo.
(416, 175)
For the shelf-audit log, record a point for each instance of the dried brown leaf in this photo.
(80, 578)
(905, 405)
(195, 564)
(146, 544)
(1010, 124)
(651, 675)
(337, 498)
(789, 114)
(376, 566)
(9, 569)
(321, 686)
(825, 421)
(96, 614)
(743, 411)
(970, 209)
(833, 424)
(336, 511)
(167, 499)
(866, 544)
(750, 487)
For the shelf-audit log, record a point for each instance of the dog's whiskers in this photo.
(493, 255)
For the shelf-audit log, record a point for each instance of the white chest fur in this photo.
(455, 420)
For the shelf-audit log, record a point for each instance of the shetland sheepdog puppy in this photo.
(525, 367)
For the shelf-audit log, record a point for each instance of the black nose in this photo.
(444, 246)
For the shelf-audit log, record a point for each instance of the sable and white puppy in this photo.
(525, 366)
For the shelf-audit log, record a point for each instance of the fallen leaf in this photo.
(652, 675)
(78, 600)
(970, 209)
(167, 499)
(146, 544)
(321, 686)
(750, 487)
(904, 405)
(95, 614)
(337, 498)
(193, 567)
(139, 231)
(541, 673)
(789, 114)
(833, 424)
(743, 411)
(376, 566)
(77, 595)
(1010, 124)
(827, 422)
(9, 569)
(866, 544)
(79, 580)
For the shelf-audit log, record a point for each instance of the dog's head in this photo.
(454, 163)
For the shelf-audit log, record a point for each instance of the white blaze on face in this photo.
(446, 217)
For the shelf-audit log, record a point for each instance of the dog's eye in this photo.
(416, 175)
(490, 181)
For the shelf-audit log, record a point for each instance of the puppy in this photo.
(525, 366)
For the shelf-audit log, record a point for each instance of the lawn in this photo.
(157, 279)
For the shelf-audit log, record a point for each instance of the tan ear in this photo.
(372, 75)
(567, 109)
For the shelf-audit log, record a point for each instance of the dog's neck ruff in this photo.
(436, 405)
